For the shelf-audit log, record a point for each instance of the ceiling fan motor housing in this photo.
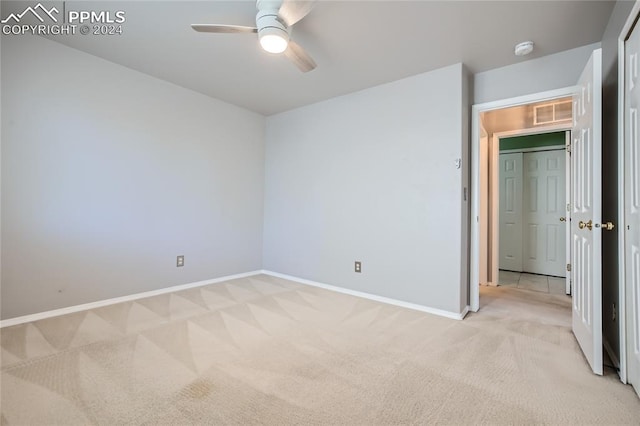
(268, 22)
(268, 4)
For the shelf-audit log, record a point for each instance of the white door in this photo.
(632, 208)
(510, 244)
(544, 213)
(586, 206)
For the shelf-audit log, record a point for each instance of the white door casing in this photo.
(543, 210)
(567, 210)
(632, 207)
(483, 215)
(510, 245)
(476, 243)
(586, 209)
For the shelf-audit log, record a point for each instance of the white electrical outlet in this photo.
(180, 261)
(358, 266)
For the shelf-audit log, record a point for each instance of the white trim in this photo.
(474, 290)
(567, 193)
(622, 283)
(611, 353)
(98, 304)
(526, 99)
(92, 305)
(387, 300)
(535, 149)
(493, 216)
(558, 128)
(464, 312)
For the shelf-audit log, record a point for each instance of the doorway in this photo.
(585, 205)
(532, 212)
(523, 189)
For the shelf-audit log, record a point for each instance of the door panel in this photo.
(586, 206)
(510, 245)
(553, 239)
(543, 210)
(632, 208)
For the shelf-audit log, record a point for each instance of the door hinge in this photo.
(568, 147)
(568, 207)
(568, 267)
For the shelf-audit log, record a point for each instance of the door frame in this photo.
(494, 196)
(622, 283)
(476, 110)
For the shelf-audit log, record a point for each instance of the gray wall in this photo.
(610, 190)
(533, 76)
(371, 176)
(108, 174)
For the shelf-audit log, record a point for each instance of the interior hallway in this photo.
(534, 282)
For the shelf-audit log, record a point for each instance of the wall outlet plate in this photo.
(358, 267)
(180, 261)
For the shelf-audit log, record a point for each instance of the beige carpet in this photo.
(262, 350)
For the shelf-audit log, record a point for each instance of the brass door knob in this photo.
(563, 219)
(588, 225)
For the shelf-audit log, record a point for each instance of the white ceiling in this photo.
(357, 44)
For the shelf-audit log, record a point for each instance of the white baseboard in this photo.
(464, 312)
(106, 302)
(98, 304)
(440, 312)
(611, 353)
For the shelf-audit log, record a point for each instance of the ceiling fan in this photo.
(273, 25)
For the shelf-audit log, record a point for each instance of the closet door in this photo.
(632, 207)
(544, 227)
(510, 245)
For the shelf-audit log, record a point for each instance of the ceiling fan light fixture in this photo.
(273, 42)
(273, 25)
(273, 34)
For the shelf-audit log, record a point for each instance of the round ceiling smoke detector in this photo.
(524, 48)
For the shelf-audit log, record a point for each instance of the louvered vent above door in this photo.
(552, 113)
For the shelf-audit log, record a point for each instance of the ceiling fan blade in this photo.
(215, 28)
(292, 11)
(299, 57)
